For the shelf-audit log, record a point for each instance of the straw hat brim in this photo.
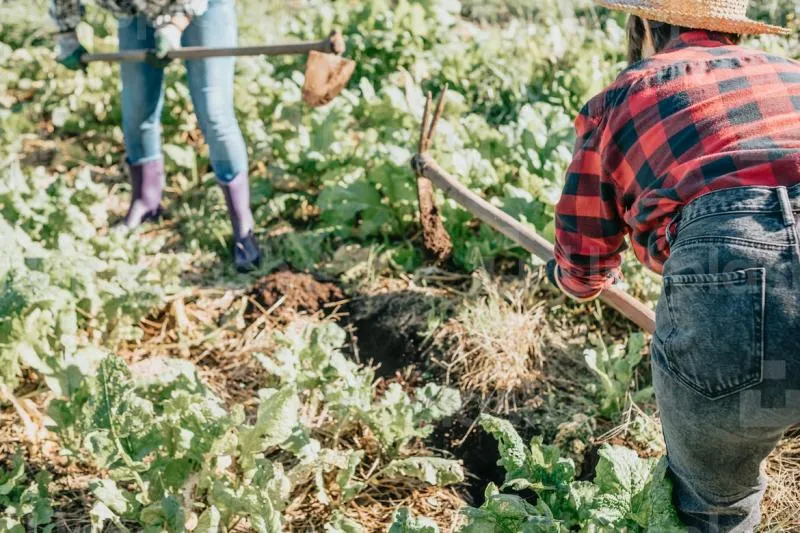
(671, 14)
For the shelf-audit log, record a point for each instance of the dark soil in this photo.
(478, 451)
(393, 328)
(300, 292)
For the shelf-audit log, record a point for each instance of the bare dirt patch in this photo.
(294, 292)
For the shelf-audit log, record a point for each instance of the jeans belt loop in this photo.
(786, 206)
(672, 229)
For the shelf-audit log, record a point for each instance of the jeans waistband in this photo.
(745, 200)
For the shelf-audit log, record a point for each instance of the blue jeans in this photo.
(726, 352)
(210, 85)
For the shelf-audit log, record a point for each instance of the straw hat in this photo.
(728, 16)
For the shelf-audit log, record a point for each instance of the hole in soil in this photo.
(392, 328)
(590, 459)
(478, 452)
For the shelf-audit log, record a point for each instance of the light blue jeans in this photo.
(210, 85)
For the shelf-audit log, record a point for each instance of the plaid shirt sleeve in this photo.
(590, 233)
(152, 9)
(66, 14)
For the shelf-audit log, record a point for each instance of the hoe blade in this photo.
(326, 76)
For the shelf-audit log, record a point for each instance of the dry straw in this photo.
(728, 16)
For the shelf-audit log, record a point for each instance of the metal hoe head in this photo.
(435, 238)
(327, 73)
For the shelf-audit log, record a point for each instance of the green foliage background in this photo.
(71, 289)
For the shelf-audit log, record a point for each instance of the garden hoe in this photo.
(428, 169)
(326, 71)
(435, 238)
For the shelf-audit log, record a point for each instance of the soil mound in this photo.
(300, 292)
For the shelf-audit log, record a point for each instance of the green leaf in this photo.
(404, 522)
(547, 468)
(432, 470)
(107, 492)
(621, 470)
(261, 500)
(508, 513)
(392, 419)
(68, 377)
(166, 515)
(514, 455)
(661, 516)
(35, 502)
(173, 512)
(358, 205)
(615, 369)
(267, 497)
(435, 402)
(114, 384)
(182, 156)
(632, 490)
(122, 418)
(345, 477)
(209, 521)
(10, 525)
(342, 524)
(14, 478)
(277, 417)
(100, 514)
(397, 419)
(157, 377)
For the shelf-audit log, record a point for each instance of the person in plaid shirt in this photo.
(67, 14)
(701, 115)
(693, 153)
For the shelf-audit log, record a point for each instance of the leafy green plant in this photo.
(172, 455)
(25, 504)
(627, 494)
(405, 522)
(175, 455)
(65, 284)
(311, 358)
(615, 368)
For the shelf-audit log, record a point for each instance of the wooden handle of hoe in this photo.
(636, 311)
(334, 44)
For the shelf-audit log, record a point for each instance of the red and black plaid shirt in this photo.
(701, 115)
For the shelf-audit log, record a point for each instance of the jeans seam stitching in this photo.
(731, 240)
(689, 220)
(686, 280)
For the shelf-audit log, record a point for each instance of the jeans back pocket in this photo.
(715, 343)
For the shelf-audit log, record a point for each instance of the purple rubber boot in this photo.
(246, 253)
(147, 185)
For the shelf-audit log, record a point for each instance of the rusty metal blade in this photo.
(326, 76)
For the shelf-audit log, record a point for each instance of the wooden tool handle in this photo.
(334, 44)
(424, 164)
